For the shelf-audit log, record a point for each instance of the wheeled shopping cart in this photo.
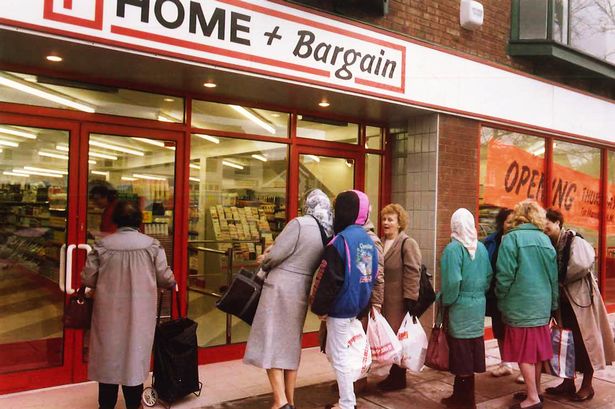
(176, 372)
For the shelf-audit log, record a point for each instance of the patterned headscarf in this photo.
(464, 231)
(318, 205)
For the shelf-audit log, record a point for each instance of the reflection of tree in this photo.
(590, 18)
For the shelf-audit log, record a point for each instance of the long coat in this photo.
(465, 281)
(275, 336)
(581, 289)
(125, 268)
(400, 280)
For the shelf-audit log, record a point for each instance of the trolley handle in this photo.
(158, 315)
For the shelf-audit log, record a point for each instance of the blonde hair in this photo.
(402, 214)
(529, 211)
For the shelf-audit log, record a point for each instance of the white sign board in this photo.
(291, 43)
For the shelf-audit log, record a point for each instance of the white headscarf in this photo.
(464, 231)
(318, 205)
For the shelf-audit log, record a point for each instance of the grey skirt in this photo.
(275, 336)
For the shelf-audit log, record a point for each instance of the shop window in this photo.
(511, 170)
(239, 119)
(237, 208)
(33, 217)
(64, 94)
(575, 188)
(327, 130)
(373, 137)
(372, 186)
(609, 294)
(139, 170)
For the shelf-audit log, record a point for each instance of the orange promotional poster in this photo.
(514, 174)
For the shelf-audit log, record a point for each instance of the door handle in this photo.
(68, 271)
(62, 271)
(69, 264)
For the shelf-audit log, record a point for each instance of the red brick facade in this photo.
(458, 167)
(437, 22)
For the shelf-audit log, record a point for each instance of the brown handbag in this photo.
(78, 312)
(437, 347)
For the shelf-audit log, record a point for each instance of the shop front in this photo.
(215, 118)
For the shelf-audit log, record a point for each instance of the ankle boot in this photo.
(469, 396)
(395, 381)
(453, 400)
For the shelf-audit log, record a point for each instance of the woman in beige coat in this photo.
(402, 266)
(581, 307)
(125, 268)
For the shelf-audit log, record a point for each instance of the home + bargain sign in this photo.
(248, 35)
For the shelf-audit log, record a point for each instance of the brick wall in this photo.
(437, 22)
(458, 168)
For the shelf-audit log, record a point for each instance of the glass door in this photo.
(330, 172)
(135, 165)
(37, 190)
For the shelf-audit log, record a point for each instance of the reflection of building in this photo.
(217, 133)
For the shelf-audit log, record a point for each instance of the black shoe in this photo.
(564, 388)
(395, 381)
(518, 406)
(287, 406)
(580, 398)
(523, 396)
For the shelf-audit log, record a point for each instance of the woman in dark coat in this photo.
(492, 243)
(402, 272)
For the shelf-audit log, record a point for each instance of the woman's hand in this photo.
(260, 258)
(375, 308)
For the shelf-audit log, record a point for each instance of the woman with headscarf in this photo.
(348, 273)
(528, 292)
(402, 274)
(275, 338)
(466, 275)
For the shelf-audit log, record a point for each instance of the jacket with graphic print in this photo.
(350, 267)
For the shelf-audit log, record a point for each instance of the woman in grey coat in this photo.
(275, 339)
(125, 268)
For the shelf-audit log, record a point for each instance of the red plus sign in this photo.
(68, 4)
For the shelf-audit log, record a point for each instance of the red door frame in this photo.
(179, 206)
(223, 353)
(44, 377)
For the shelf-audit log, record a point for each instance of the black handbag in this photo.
(241, 297)
(78, 312)
(427, 295)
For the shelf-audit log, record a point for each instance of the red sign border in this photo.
(97, 23)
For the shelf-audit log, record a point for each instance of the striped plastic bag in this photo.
(562, 363)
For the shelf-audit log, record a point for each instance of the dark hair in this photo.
(103, 190)
(555, 216)
(501, 218)
(127, 214)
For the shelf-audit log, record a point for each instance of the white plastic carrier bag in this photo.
(383, 343)
(413, 341)
(359, 353)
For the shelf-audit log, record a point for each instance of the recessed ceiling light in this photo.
(323, 104)
(54, 58)
(275, 115)
(169, 100)
(210, 85)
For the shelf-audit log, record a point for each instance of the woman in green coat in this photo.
(528, 293)
(466, 275)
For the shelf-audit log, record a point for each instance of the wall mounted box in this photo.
(471, 14)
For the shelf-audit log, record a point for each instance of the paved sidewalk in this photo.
(425, 390)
